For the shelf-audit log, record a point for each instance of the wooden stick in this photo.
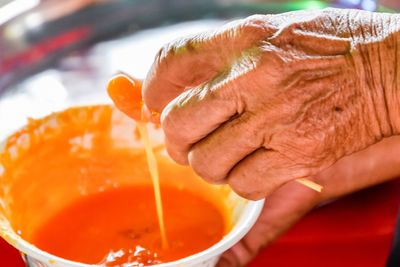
(310, 184)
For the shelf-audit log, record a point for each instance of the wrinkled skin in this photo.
(273, 98)
(288, 204)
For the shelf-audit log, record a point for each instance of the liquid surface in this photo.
(120, 226)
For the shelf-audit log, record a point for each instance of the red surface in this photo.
(355, 231)
(9, 257)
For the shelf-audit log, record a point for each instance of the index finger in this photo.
(192, 61)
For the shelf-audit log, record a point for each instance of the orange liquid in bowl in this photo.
(79, 187)
(120, 226)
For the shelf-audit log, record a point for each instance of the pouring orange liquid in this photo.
(152, 163)
(126, 94)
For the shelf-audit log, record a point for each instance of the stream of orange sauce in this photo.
(153, 169)
(127, 96)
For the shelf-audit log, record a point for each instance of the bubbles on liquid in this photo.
(137, 257)
(24, 141)
(81, 144)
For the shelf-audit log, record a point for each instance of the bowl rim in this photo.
(245, 222)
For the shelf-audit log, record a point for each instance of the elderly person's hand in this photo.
(270, 99)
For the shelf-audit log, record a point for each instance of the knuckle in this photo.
(170, 125)
(173, 124)
(178, 155)
(169, 50)
(199, 160)
(254, 24)
(180, 46)
(177, 115)
(256, 19)
(253, 27)
(255, 135)
(256, 177)
(241, 187)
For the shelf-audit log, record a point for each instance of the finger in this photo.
(126, 95)
(376, 164)
(282, 209)
(228, 259)
(197, 112)
(213, 157)
(262, 172)
(194, 60)
(289, 203)
(188, 118)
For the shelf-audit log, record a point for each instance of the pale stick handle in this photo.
(310, 184)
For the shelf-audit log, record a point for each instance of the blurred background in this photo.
(54, 54)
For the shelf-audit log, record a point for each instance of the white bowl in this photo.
(207, 258)
(243, 213)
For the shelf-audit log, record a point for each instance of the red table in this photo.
(355, 231)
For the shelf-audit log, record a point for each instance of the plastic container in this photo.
(24, 203)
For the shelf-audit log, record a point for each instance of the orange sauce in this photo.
(153, 169)
(120, 226)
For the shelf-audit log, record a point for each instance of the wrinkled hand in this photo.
(273, 98)
(288, 204)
